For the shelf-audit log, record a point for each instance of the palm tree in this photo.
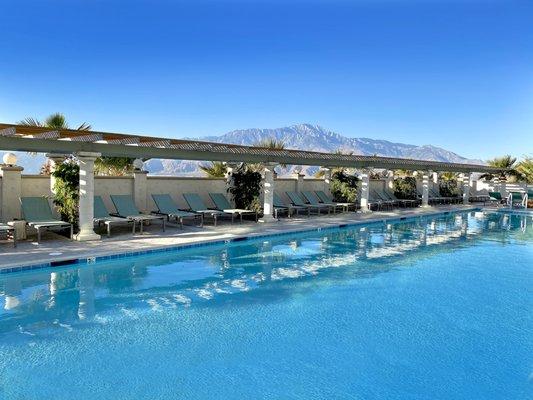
(103, 165)
(525, 168)
(507, 166)
(449, 176)
(113, 166)
(216, 169)
(53, 121)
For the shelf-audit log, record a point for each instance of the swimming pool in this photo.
(436, 307)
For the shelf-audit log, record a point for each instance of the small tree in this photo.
(343, 187)
(448, 184)
(507, 164)
(246, 188)
(66, 187)
(525, 168)
(405, 188)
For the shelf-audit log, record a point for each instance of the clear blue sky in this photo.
(456, 74)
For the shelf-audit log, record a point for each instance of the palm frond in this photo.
(84, 127)
(30, 121)
(271, 143)
(56, 121)
(216, 169)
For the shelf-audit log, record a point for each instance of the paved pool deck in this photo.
(56, 248)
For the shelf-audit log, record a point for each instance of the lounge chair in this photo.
(404, 202)
(313, 199)
(9, 233)
(166, 206)
(479, 197)
(496, 197)
(516, 199)
(126, 208)
(379, 198)
(436, 196)
(325, 199)
(197, 205)
(102, 216)
(280, 205)
(222, 204)
(432, 199)
(297, 200)
(38, 214)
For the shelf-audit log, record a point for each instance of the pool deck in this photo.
(56, 248)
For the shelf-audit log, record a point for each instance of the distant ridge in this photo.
(312, 138)
(300, 137)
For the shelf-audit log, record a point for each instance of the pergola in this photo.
(88, 145)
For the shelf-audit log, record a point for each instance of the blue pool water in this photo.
(434, 308)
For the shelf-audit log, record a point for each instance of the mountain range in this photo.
(313, 138)
(301, 137)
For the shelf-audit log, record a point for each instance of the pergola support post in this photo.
(365, 190)
(466, 188)
(86, 206)
(327, 181)
(389, 181)
(268, 193)
(54, 159)
(299, 177)
(425, 188)
(435, 181)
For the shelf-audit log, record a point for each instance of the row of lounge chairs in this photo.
(383, 199)
(38, 214)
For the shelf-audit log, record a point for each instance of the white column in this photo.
(230, 167)
(365, 190)
(268, 193)
(327, 181)
(11, 190)
(466, 187)
(86, 206)
(54, 160)
(435, 181)
(389, 181)
(140, 189)
(299, 177)
(425, 189)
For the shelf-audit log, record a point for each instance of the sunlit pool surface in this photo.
(425, 309)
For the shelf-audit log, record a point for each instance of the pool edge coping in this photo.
(84, 260)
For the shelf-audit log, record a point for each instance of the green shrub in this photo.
(343, 187)
(246, 188)
(66, 187)
(405, 188)
(449, 188)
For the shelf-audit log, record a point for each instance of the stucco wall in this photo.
(107, 185)
(177, 186)
(35, 186)
(39, 185)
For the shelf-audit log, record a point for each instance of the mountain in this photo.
(302, 137)
(313, 138)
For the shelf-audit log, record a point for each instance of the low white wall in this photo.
(177, 186)
(39, 185)
(35, 186)
(105, 186)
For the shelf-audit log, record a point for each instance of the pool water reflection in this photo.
(428, 308)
